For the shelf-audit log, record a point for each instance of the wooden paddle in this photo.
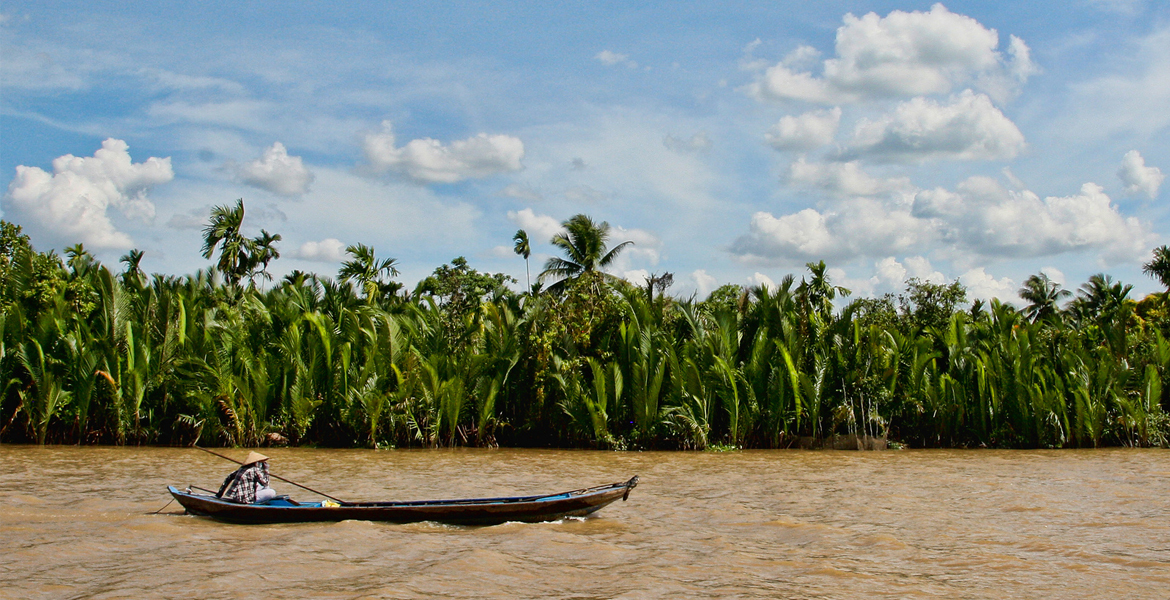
(305, 487)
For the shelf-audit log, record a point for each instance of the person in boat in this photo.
(249, 483)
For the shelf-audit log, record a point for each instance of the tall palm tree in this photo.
(224, 230)
(523, 249)
(133, 273)
(367, 271)
(584, 245)
(819, 292)
(1043, 296)
(1159, 266)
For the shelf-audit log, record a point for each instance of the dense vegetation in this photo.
(91, 354)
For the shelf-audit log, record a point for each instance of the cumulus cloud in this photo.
(981, 284)
(761, 280)
(328, 250)
(539, 227)
(71, 204)
(703, 282)
(808, 131)
(1137, 177)
(902, 54)
(856, 227)
(969, 127)
(982, 215)
(845, 179)
(429, 161)
(276, 172)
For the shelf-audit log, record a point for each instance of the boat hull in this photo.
(476, 511)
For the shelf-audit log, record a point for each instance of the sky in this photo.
(732, 142)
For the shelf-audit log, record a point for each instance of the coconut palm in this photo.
(584, 245)
(1159, 266)
(522, 248)
(1043, 296)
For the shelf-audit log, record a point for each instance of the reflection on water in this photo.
(768, 524)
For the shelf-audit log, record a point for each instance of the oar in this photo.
(276, 476)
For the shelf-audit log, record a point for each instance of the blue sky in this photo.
(732, 142)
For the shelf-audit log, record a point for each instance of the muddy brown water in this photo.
(767, 524)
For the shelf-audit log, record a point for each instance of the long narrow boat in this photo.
(474, 511)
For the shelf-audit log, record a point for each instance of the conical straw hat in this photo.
(254, 457)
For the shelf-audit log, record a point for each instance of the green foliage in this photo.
(92, 356)
(927, 305)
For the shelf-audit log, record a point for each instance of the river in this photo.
(75, 523)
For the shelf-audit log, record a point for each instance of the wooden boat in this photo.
(474, 511)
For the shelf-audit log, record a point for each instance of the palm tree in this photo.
(261, 252)
(367, 271)
(584, 245)
(133, 272)
(523, 249)
(223, 230)
(1100, 297)
(1159, 267)
(1043, 296)
(819, 292)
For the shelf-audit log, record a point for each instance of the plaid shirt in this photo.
(242, 485)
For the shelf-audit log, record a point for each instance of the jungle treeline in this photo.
(94, 354)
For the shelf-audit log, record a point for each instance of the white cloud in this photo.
(1137, 177)
(276, 172)
(636, 276)
(980, 216)
(71, 204)
(428, 161)
(704, 283)
(1056, 275)
(889, 273)
(808, 131)
(856, 227)
(802, 234)
(981, 284)
(698, 143)
(761, 280)
(801, 57)
(328, 250)
(609, 59)
(983, 216)
(845, 179)
(967, 128)
(647, 247)
(540, 228)
(920, 267)
(902, 54)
